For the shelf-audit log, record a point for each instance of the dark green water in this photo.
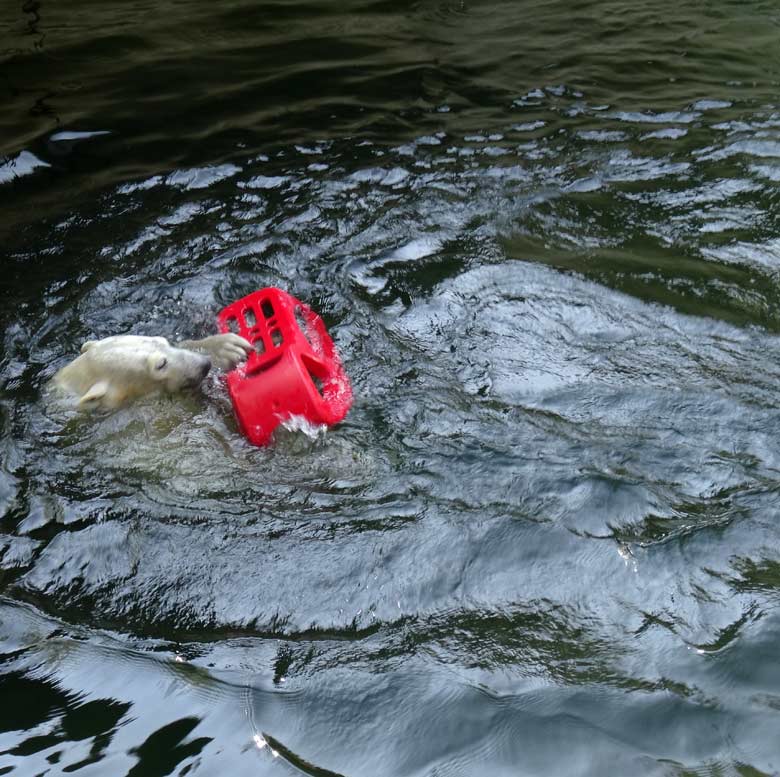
(546, 239)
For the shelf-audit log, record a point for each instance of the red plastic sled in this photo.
(293, 371)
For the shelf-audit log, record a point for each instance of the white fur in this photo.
(116, 370)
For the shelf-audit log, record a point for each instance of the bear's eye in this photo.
(162, 364)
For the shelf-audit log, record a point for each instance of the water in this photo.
(545, 239)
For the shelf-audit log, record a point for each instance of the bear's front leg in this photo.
(225, 351)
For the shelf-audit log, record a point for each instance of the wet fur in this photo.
(116, 370)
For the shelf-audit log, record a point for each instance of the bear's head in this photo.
(175, 368)
(111, 371)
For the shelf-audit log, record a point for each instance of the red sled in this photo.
(294, 369)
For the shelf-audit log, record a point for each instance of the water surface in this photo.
(545, 239)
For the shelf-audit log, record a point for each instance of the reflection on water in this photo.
(545, 241)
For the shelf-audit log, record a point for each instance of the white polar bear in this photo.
(116, 370)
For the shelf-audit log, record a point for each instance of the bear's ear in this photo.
(156, 363)
(87, 345)
(96, 392)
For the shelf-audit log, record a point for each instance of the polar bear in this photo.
(116, 370)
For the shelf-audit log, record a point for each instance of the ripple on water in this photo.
(24, 163)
